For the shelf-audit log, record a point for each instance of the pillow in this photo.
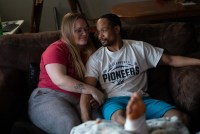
(34, 72)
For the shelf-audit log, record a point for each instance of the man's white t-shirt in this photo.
(123, 72)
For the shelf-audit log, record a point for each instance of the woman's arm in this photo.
(178, 61)
(57, 73)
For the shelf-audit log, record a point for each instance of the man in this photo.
(121, 68)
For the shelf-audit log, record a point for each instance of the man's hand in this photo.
(98, 96)
(95, 105)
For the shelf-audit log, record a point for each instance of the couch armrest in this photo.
(185, 89)
(12, 96)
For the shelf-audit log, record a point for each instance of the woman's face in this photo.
(81, 32)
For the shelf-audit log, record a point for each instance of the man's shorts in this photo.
(154, 108)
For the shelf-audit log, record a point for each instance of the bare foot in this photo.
(136, 107)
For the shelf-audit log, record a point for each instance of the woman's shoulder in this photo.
(59, 44)
(57, 47)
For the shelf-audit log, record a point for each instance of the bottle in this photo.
(1, 29)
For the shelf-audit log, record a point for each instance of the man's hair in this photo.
(113, 19)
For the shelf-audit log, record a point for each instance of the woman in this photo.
(54, 105)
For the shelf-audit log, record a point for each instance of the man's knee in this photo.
(119, 116)
(181, 115)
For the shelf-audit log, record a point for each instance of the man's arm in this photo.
(178, 61)
(85, 100)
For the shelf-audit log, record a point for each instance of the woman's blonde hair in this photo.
(67, 30)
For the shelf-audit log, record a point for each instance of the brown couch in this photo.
(18, 74)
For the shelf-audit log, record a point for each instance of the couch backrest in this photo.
(19, 50)
(176, 38)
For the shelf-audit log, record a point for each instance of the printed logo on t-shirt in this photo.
(117, 72)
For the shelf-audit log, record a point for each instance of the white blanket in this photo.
(155, 126)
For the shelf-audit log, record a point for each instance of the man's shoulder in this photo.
(133, 43)
(98, 52)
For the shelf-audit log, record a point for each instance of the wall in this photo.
(22, 9)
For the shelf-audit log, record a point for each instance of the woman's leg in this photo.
(53, 112)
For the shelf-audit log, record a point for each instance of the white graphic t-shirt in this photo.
(123, 72)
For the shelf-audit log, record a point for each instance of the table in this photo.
(155, 10)
(19, 22)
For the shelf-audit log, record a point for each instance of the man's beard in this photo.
(104, 43)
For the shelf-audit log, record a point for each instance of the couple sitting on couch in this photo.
(66, 90)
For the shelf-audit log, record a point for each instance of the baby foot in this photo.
(135, 115)
(136, 107)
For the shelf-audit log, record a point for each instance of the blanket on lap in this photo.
(155, 126)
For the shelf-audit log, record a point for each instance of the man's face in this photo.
(106, 33)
